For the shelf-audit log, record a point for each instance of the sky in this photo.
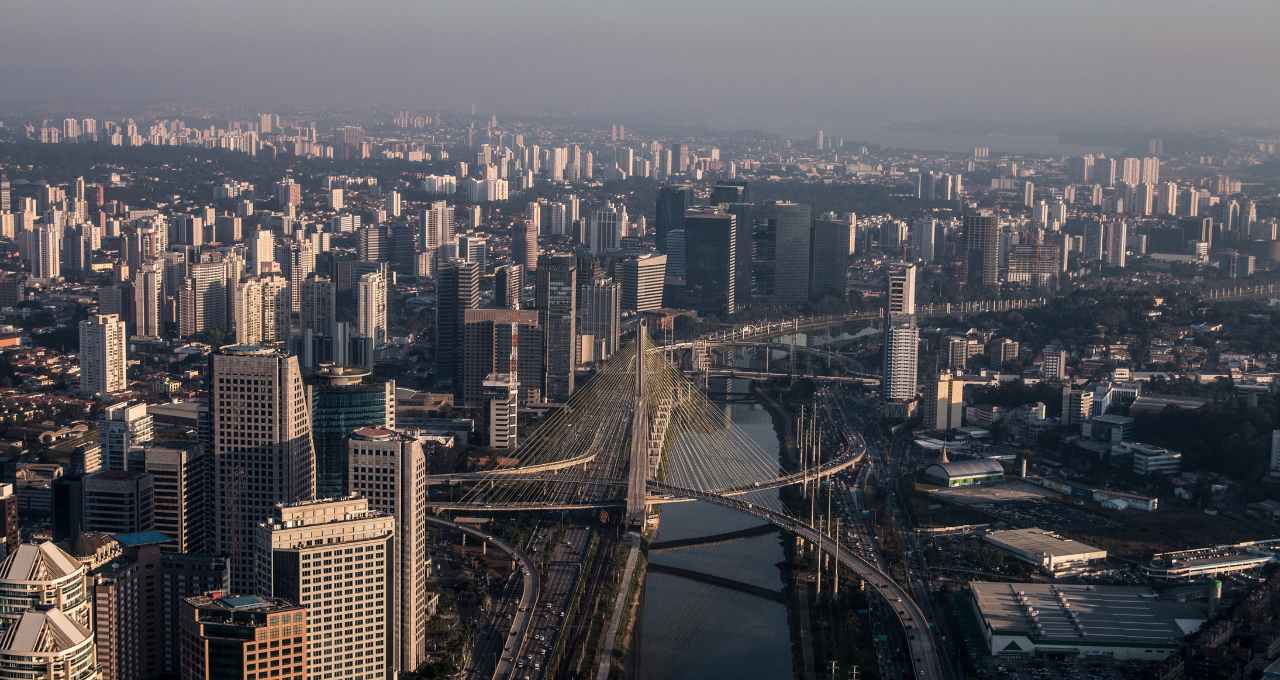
(781, 65)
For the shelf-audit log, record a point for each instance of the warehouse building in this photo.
(1047, 551)
(1123, 622)
(1219, 560)
(964, 473)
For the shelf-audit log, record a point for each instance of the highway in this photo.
(518, 637)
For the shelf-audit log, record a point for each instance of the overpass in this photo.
(747, 374)
(517, 639)
(925, 655)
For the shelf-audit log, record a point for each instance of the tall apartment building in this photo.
(902, 290)
(901, 349)
(1053, 365)
(943, 407)
(122, 428)
(643, 280)
(103, 357)
(371, 308)
(524, 244)
(262, 449)
(243, 637)
(262, 310)
(337, 559)
(149, 312)
(389, 469)
(557, 302)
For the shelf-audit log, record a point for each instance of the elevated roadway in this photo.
(926, 660)
(513, 647)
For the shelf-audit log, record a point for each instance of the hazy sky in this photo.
(849, 65)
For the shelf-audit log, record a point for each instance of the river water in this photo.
(694, 630)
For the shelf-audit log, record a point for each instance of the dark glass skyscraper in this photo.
(982, 249)
(673, 202)
(557, 300)
(711, 241)
(830, 258)
(342, 400)
(457, 290)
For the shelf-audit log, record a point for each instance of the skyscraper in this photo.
(457, 290)
(122, 428)
(299, 263)
(318, 320)
(46, 253)
(389, 468)
(262, 450)
(336, 558)
(524, 244)
(182, 479)
(924, 239)
(982, 248)
(262, 310)
(557, 303)
(103, 357)
(508, 286)
(902, 344)
(344, 399)
(1117, 243)
(606, 228)
(148, 300)
(792, 226)
(673, 202)
(901, 297)
(599, 317)
(487, 349)
(710, 244)
(829, 262)
(643, 281)
(371, 308)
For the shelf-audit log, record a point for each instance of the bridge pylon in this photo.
(638, 463)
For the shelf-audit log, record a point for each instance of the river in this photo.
(693, 630)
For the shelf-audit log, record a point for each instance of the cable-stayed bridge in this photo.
(640, 434)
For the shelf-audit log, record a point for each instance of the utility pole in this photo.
(836, 587)
(815, 496)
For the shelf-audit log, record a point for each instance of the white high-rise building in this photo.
(123, 427)
(148, 300)
(392, 204)
(902, 290)
(103, 357)
(46, 252)
(336, 558)
(262, 310)
(608, 222)
(371, 308)
(924, 238)
(901, 350)
(262, 251)
(1150, 170)
(262, 448)
(1117, 243)
(389, 469)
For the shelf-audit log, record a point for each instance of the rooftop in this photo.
(1084, 614)
(1039, 542)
